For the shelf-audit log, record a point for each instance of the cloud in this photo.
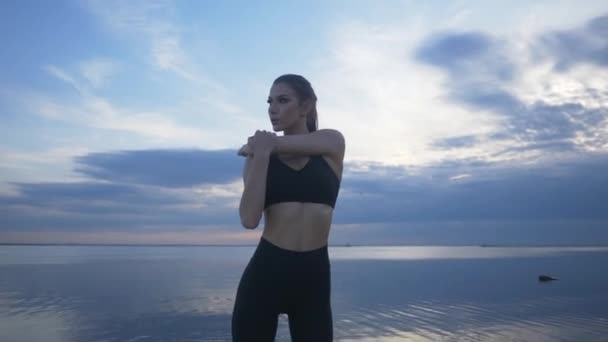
(175, 124)
(97, 71)
(155, 197)
(390, 107)
(485, 73)
(66, 77)
(19, 166)
(456, 142)
(463, 53)
(587, 44)
(50, 193)
(91, 74)
(95, 111)
(179, 190)
(98, 112)
(91, 206)
(168, 168)
(154, 25)
(570, 189)
(133, 189)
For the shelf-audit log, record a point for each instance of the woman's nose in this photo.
(272, 109)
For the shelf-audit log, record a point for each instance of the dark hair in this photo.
(305, 92)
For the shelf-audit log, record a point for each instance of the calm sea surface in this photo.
(101, 293)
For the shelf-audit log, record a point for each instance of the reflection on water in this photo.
(545, 320)
(378, 293)
(461, 252)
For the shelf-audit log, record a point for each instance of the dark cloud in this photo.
(587, 44)
(461, 53)
(552, 146)
(456, 142)
(131, 189)
(52, 192)
(168, 168)
(99, 216)
(479, 70)
(91, 206)
(540, 122)
(452, 49)
(479, 96)
(573, 190)
(488, 192)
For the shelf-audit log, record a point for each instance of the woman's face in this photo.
(283, 107)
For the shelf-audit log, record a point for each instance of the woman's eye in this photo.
(280, 101)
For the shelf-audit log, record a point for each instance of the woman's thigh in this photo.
(311, 323)
(310, 314)
(255, 313)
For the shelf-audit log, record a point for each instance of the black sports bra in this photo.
(316, 182)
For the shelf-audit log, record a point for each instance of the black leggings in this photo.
(278, 280)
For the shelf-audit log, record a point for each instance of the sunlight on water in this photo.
(465, 252)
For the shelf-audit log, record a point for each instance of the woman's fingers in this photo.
(251, 141)
(244, 151)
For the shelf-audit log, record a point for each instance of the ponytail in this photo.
(311, 118)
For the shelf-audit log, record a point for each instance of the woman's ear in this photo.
(307, 106)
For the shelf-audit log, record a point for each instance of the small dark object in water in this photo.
(543, 277)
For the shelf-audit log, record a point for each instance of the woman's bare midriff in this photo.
(298, 226)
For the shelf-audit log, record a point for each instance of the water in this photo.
(101, 293)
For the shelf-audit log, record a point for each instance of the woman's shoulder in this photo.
(335, 141)
(333, 132)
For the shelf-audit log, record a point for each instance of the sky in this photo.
(466, 122)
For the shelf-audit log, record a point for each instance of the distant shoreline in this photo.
(254, 245)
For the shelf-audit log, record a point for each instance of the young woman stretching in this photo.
(293, 180)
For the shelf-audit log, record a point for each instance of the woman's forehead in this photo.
(279, 89)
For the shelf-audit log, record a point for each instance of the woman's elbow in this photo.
(250, 222)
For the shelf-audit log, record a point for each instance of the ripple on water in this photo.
(547, 319)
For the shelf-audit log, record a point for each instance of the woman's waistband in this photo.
(268, 247)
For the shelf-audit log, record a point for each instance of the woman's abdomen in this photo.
(298, 226)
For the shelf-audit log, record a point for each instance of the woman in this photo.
(294, 181)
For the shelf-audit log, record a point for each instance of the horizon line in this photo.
(329, 245)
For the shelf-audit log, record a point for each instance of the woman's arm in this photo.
(254, 177)
(324, 141)
(254, 192)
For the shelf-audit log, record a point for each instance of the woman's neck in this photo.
(296, 130)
